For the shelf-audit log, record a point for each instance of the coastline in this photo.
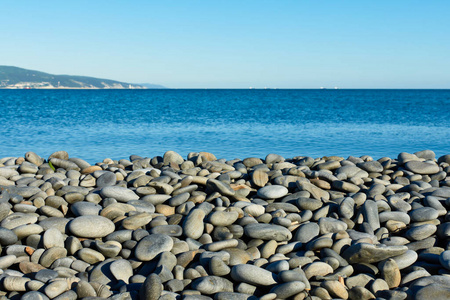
(199, 226)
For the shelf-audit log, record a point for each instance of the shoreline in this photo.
(199, 227)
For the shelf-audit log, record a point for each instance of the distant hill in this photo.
(152, 86)
(18, 78)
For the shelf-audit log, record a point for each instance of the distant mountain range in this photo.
(18, 78)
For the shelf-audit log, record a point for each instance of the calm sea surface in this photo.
(96, 124)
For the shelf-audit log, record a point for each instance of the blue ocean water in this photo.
(96, 124)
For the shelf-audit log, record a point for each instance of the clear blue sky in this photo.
(236, 44)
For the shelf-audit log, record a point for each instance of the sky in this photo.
(234, 44)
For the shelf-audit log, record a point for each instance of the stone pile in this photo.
(207, 228)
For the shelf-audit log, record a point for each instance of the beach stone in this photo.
(423, 168)
(360, 293)
(136, 221)
(272, 192)
(309, 204)
(406, 259)
(390, 273)
(84, 289)
(444, 259)
(345, 186)
(172, 157)
(420, 232)
(212, 284)
(267, 232)
(46, 275)
(119, 193)
(288, 289)
(53, 238)
(193, 224)
(91, 226)
(433, 291)
(122, 270)
(253, 275)
(56, 288)
(7, 237)
(423, 214)
(152, 245)
(106, 179)
(85, 209)
(34, 295)
(260, 178)
(6, 261)
(371, 166)
(368, 253)
(218, 267)
(220, 187)
(335, 288)
(330, 225)
(394, 216)
(52, 254)
(316, 192)
(317, 269)
(223, 218)
(306, 232)
(90, 256)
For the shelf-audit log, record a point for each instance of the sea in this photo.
(230, 123)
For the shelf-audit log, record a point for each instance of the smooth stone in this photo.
(171, 230)
(7, 237)
(119, 193)
(233, 296)
(371, 166)
(220, 187)
(6, 261)
(420, 232)
(223, 218)
(406, 259)
(46, 275)
(345, 186)
(330, 225)
(212, 284)
(390, 273)
(368, 253)
(84, 289)
(317, 269)
(52, 254)
(288, 289)
(172, 157)
(316, 192)
(267, 232)
(193, 224)
(237, 256)
(85, 209)
(433, 291)
(423, 214)
(253, 275)
(218, 267)
(91, 226)
(106, 179)
(90, 256)
(335, 289)
(122, 270)
(34, 295)
(420, 167)
(136, 221)
(309, 204)
(272, 192)
(395, 216)
(56, 222)
(152, 245)
(52, 237)
(444, 259)
(278, 266)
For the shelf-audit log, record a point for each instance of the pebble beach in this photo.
(169, 227)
